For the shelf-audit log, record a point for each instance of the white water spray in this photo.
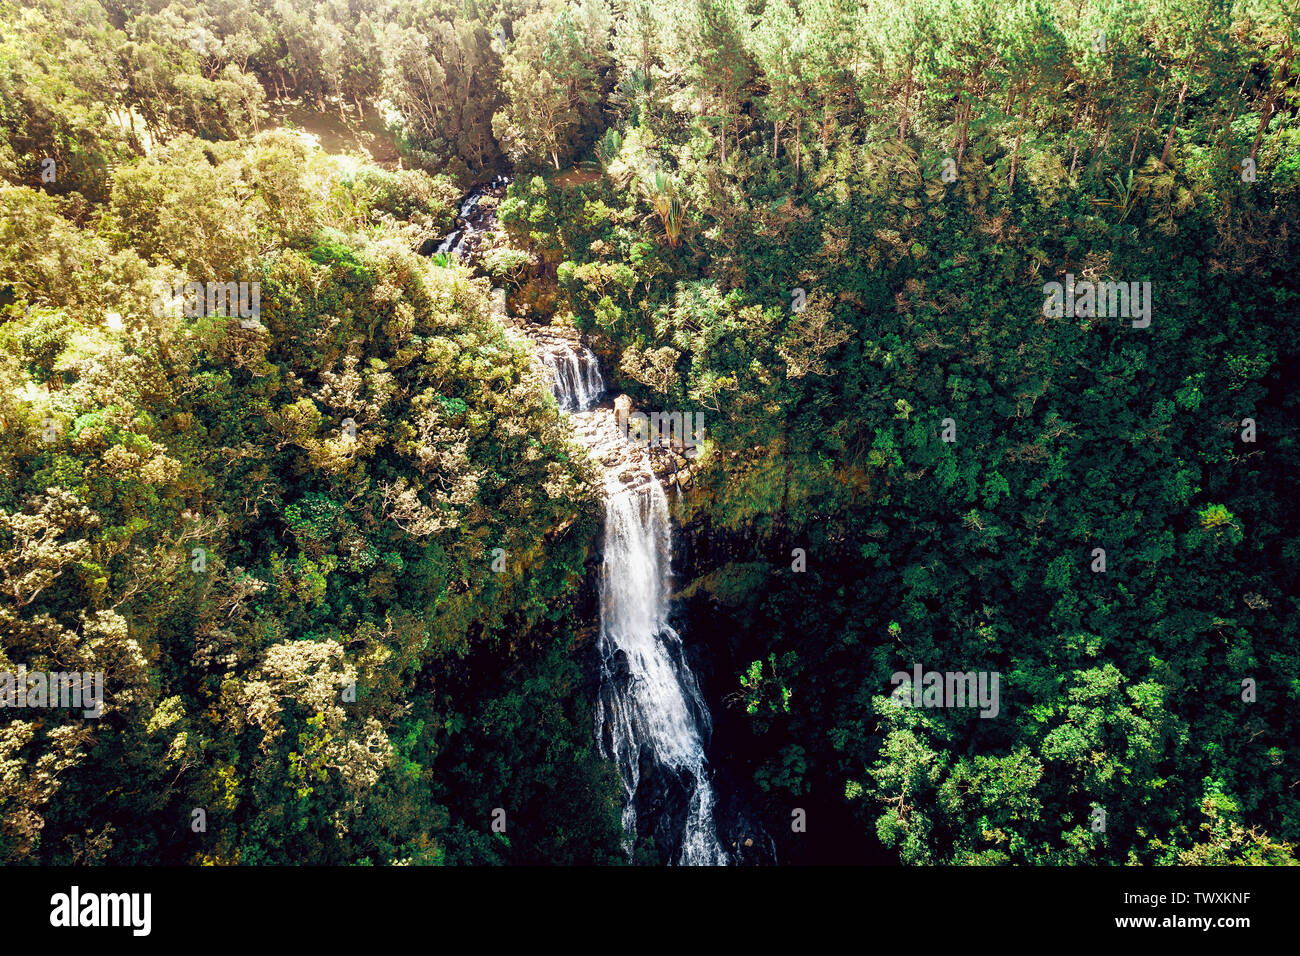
(576, 372)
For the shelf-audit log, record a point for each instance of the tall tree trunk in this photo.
(1101, 149)
(958, 117)
(907, 99)
(1270, 107)
(1182, 93)
(1220, 131)
(1015, 152)
(1079, 119)
(1178, 112)
(1263, 125)
(1155, 112)
(964, 133)
(798, 146)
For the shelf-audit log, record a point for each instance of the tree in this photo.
(552, 79)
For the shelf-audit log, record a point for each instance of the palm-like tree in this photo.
(661, 191)
(1125, 195)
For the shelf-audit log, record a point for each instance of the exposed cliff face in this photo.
(748, 819)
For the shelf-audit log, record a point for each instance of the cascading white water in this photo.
(450, 244)
(650, 704)
(576, 371)
(650, 714)
(473, 219)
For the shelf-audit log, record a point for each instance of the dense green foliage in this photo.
(1120, 690)
(276, 537)
(919, 169)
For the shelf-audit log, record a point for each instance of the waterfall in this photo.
(472, 221)
(576, 372)
(450, 244)
(651, 719)
(650, 710)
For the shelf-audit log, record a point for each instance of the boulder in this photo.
(622, 409)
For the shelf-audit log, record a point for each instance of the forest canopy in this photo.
(832, 227)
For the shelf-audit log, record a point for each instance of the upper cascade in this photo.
(577, 382)
(474, 219)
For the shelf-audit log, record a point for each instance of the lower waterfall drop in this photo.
(650, 714)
